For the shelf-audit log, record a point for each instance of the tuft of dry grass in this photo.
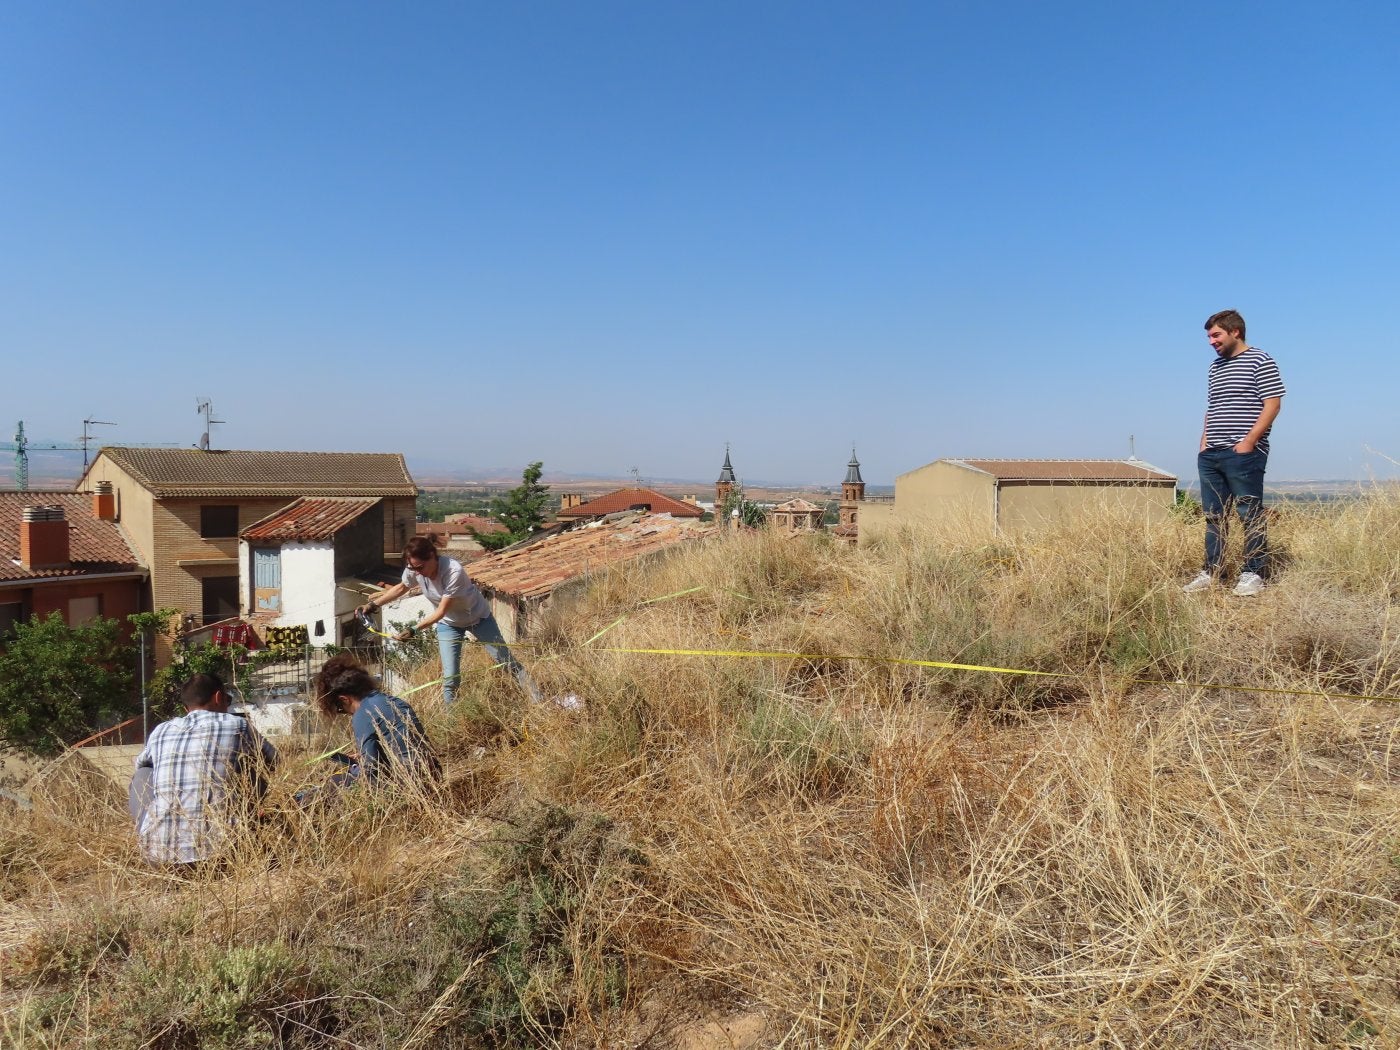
(1173, 841)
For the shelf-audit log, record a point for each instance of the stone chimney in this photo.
(570, 500)
(104, 502)
(690, 498)
(43, 538)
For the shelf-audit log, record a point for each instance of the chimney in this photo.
(104, 502)
(43, 538)
(571, 500)
(689, 497)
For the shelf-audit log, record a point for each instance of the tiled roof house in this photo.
(648, 500)
(457, 533)
(520, 581)
(1020, 494)
(309, 519)
(474, 521)
(183, 510)
(59, 553)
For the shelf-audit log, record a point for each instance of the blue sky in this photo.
(616, 235)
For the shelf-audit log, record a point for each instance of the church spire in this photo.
(723, 487)
(852, 495)
(726, 472)
(853, 470)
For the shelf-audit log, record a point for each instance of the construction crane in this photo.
(21, 446)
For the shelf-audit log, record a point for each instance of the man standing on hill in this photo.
(1244, 393)
(194, 773)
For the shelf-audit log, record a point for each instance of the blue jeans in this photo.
(488, 632)
(1233, 480)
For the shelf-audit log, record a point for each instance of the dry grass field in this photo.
(1172, 840)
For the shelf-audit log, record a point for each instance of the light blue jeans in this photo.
(488, 633)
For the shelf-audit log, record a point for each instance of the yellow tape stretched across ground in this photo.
(945, 665)
(764, 654)
(760, 654)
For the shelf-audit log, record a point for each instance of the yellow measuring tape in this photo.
(759, 654)
(763, 654)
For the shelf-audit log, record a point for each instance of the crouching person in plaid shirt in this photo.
(195, 775)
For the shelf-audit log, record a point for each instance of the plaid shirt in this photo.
(195, 764)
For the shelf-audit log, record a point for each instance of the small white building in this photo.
(298, 567)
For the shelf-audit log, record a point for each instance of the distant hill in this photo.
(50, 469)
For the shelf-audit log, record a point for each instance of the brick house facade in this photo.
(183, 510)
(58, 555)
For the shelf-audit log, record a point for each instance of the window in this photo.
(220, 594)
(216, 522)
(11, 613)
(83, 610)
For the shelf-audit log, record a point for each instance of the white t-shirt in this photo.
(468, 605)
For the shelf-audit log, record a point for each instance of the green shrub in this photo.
(60, 683)
(544, 959)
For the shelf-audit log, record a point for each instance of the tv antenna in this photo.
(205, 407)
(636, 476)
(1132, 448)
(88, 424)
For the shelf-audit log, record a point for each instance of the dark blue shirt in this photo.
(391, 740)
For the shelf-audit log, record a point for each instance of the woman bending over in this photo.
(460, 610)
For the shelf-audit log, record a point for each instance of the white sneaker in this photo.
(1204, 581)
(1251, 583)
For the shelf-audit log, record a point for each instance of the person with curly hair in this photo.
(389, 736)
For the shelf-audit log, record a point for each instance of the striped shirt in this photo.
(1235, 393)
(197, 763)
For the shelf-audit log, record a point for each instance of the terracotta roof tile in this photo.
(628, 499)
(1076, 470)
(170, 472)
(307, 519)
(535, 571)
(474, 521)
(94, 547)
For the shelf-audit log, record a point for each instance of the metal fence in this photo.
(289, 676)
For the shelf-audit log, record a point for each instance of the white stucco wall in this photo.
(308, 587)
(245, 579)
